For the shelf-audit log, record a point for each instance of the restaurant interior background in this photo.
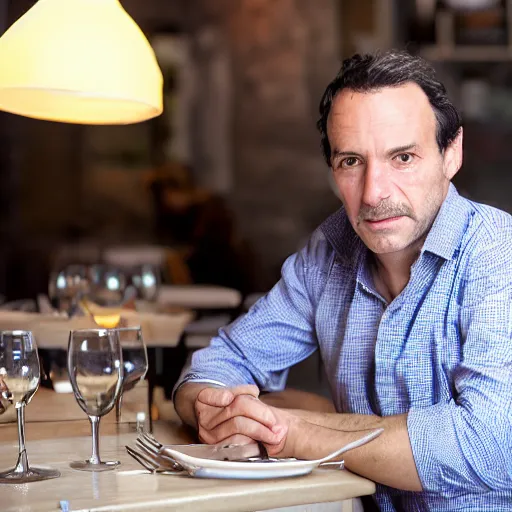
(231, 178)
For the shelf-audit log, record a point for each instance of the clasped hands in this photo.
(237, 416)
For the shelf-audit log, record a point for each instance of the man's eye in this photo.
(404, 158)
(350, 161)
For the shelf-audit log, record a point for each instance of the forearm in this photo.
(293, 399)
(387, 459)
(337, 421)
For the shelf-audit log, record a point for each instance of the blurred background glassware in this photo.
(107, 285)
(95, 367)
(146, 280)
(67, 287)
(135, 361)
(19, 380)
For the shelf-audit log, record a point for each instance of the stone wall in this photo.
(283, 54)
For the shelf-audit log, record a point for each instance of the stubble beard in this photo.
(390, 240)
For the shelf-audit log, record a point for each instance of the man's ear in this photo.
(452, 158)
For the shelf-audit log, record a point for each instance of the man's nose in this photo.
(376, 184)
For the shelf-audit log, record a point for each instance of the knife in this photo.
(219, 451)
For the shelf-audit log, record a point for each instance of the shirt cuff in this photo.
(191, 378)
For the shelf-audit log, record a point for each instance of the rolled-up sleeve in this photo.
(277, 332)
(465, 444)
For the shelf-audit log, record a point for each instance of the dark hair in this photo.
(366, 73)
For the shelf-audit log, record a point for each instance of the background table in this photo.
(51, 332)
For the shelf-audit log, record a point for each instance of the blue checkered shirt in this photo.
(441, 351)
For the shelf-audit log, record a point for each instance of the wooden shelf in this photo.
(447, 50)
(467, 53)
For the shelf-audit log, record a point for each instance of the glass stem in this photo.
(95, 424)
(119, 403)
(22, 464)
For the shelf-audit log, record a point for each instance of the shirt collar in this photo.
(445, 235)
(342, 237)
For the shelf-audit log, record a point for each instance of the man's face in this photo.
(390, 173)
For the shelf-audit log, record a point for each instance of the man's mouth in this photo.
(381, 223)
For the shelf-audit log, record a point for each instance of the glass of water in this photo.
(19, 380)
(135, 360)
(95, 367)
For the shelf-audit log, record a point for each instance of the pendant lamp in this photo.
(79, 61)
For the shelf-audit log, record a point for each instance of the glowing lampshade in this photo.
(79, 61)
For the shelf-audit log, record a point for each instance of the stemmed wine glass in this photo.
(19, 380)
(95, 367)
(107, 285)
(67, 287)
(146, 280)
(135, 360)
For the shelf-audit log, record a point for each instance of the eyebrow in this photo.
(336, 154)
(400, 149)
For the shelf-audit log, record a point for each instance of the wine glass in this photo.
(146, 280)
(66, 288)
(135, 360)
(107, 285)
(19, 380)
(95, 367)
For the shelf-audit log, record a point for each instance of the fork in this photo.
(149, 445)
(152, 465)
(150, 440)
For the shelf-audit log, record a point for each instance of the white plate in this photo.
(209, 468)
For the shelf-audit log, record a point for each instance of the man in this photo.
(407, 293)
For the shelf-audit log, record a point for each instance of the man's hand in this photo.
(237, 416)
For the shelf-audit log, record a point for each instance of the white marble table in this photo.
(131, 488)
